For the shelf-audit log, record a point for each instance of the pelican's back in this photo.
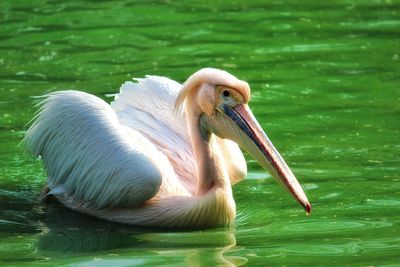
(148, 107)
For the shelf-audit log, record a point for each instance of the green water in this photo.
(325, 86)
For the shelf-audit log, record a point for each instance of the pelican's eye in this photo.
(228, 95)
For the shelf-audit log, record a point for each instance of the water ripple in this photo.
(315, 227)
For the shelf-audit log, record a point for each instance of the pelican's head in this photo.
(221, 102)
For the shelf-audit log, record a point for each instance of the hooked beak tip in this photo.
(307, 208)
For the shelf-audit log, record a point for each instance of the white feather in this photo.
(148, 107)
(87, 152)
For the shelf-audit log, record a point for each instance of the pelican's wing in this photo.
(147, 106)
(90, 156)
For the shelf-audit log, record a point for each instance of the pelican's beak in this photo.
(258, 145)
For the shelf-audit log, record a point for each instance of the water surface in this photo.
(325, 86)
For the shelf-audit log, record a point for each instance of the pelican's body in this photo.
(160, 155)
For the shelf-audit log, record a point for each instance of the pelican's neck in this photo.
(210, 164)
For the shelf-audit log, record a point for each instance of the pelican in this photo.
(161, 155)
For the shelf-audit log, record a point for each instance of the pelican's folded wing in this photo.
(90, 155)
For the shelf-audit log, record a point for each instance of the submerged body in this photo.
(162, 154)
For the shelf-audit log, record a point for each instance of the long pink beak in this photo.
(265, 152)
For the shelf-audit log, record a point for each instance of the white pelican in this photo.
(162, 155)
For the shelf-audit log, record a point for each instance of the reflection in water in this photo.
(67, 233)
